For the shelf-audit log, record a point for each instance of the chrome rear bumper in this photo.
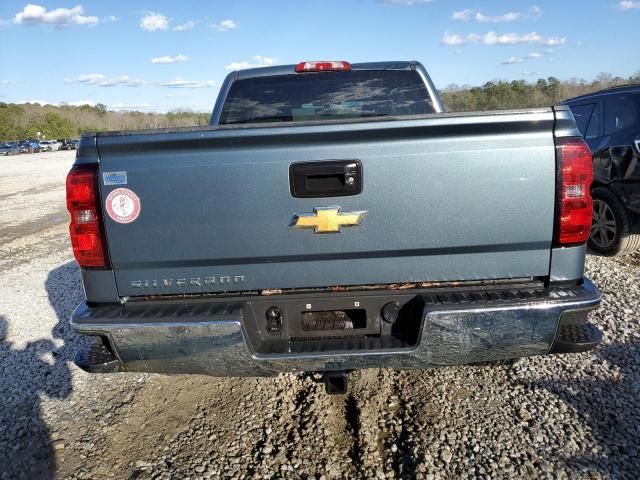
(211, 337)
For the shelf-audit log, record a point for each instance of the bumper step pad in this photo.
(97, 359)
(576, 338)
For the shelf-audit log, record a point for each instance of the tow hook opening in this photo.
(336, 383)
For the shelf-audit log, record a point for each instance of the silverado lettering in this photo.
(181, 282)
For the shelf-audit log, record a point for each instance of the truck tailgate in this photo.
(447, 197)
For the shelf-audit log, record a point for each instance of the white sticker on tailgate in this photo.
(122, 205)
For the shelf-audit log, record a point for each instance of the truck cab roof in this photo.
(290, 69)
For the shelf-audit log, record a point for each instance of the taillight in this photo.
(85, 228)
(574, 210)
(323, 66)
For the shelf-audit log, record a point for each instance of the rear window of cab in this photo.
(326, 96)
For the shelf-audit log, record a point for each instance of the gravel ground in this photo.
(567, 416)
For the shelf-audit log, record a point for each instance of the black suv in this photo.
(609, 120)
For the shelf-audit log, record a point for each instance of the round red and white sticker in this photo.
(122, 205)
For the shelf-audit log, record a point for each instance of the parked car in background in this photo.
(7, 149)
(609, 120)
(68, 144)
(50, 145)
(30, 146)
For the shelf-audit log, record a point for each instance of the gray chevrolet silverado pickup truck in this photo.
(333, 217)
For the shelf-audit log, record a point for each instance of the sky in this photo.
(163, 55)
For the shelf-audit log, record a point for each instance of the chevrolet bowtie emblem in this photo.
(327, 219)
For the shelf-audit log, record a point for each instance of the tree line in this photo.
(24, 121)
(501, 95)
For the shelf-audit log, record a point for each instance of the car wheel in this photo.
(611, 228)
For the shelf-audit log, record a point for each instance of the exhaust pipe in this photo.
(336, 383)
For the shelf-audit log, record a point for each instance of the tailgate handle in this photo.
(328, 178)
